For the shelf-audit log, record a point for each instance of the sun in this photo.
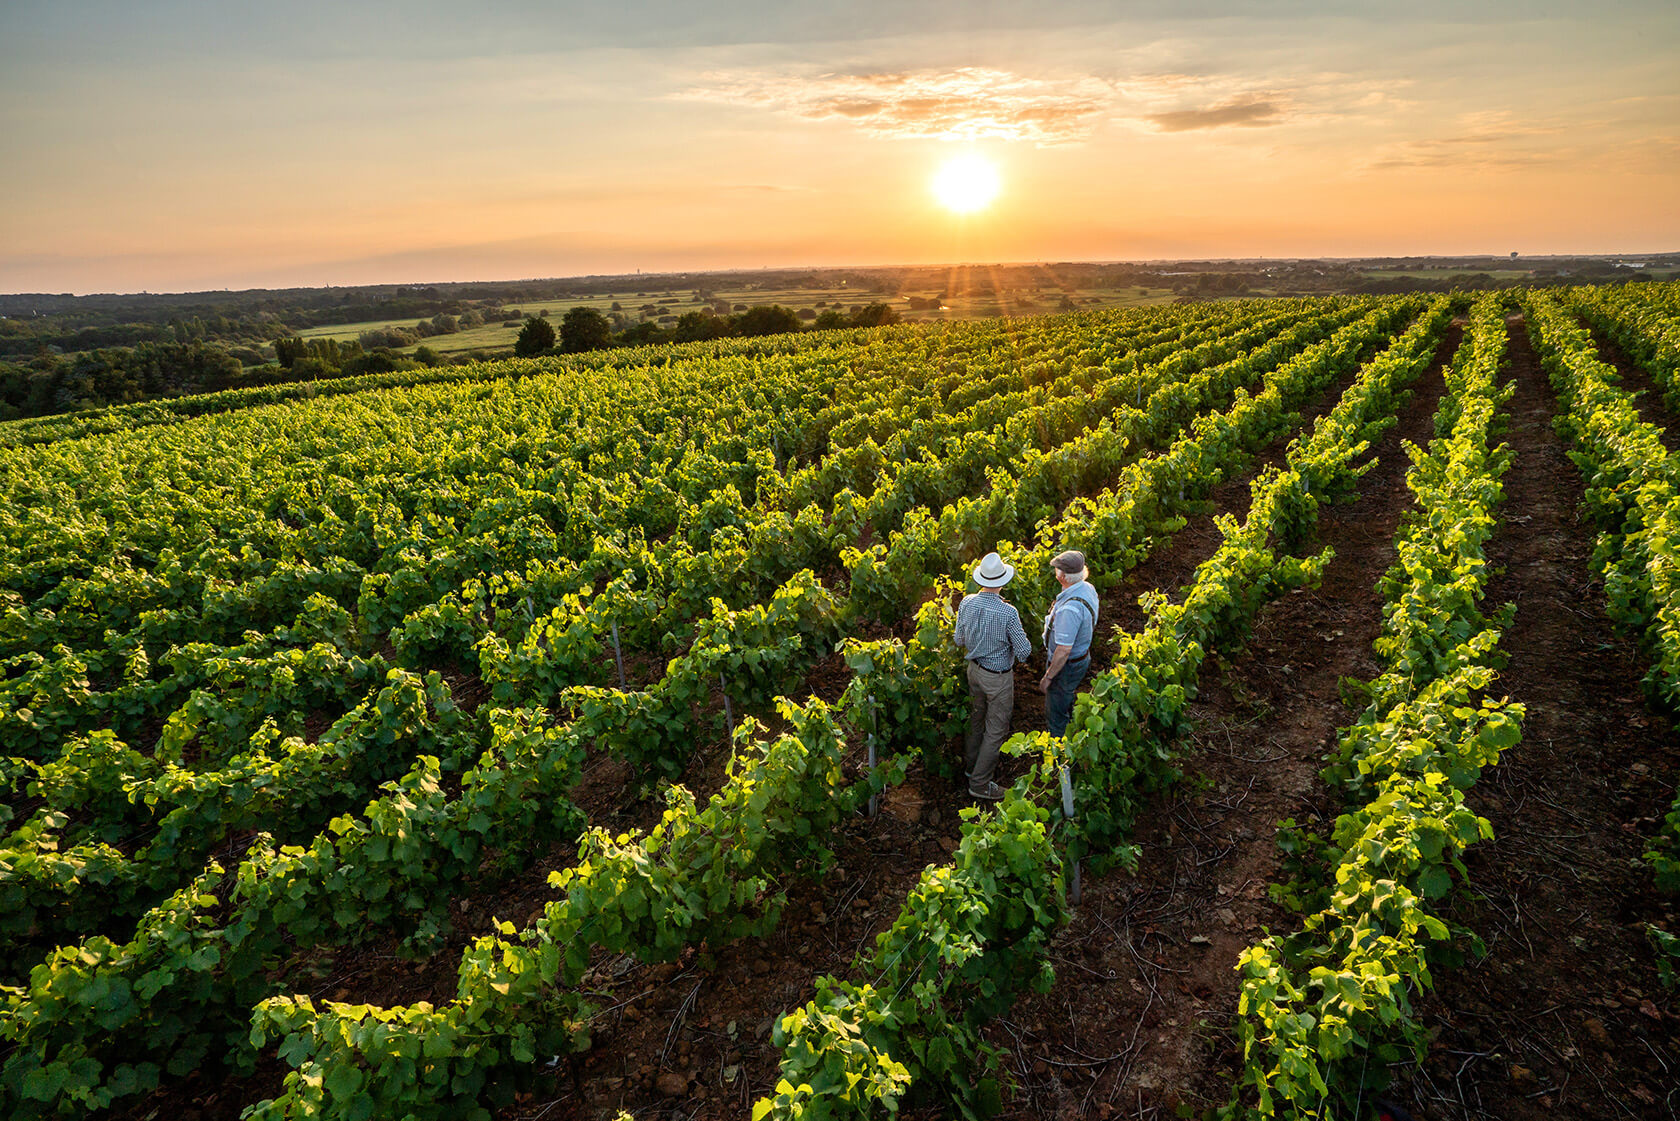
(966, 183)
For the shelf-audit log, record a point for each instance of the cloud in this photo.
(1484, 141)
(976, 103)
(1248, 113)
(963, 104)
(764, 188)
(1190, 102)
(1449, 153)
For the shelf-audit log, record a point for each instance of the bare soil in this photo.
(1648, 396)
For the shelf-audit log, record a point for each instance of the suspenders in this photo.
(1051, 618)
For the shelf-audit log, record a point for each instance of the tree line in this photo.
(50, 383)
(47, 368)
(182, 363)
(585, 328)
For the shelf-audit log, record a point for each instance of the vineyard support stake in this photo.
(1067, 812)
(728, 713)
(618, 654)
(874, 799)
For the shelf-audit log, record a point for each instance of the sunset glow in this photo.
(524, 140)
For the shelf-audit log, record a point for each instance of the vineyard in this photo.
(569, 737)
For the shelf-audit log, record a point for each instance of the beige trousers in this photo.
(991, 701)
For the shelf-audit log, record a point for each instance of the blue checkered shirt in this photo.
(990, 629)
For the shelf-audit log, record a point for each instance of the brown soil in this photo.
(1648, 395)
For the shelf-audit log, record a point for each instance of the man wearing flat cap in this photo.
(1068, 630)
(989, 629)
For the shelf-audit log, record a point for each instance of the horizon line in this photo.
(1035, 263)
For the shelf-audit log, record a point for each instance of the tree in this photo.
(642, 334)
(328, 353)
(584, 328)
(536, 337)
(830, 319)
(395, 337)
(287, 351)
(874, 315)
(772, 320)
(697, 326)
(382, 360)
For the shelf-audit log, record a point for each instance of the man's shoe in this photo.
(992, 793)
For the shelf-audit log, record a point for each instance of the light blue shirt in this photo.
(1072, 620)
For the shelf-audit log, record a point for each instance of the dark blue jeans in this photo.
(1058, 702)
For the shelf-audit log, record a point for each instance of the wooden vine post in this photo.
(618, 653)
(874, 798)
(1067, 814)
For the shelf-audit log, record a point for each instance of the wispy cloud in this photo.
(975, 103)
(964, 104)
(1246, 112)
(1188, 102)
(1484, 141)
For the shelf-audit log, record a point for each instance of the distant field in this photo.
(1447, 274)
(1512, 274)
(342, 331)
(492, 336)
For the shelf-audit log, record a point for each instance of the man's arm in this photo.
(1058, 659)
(1019, 644)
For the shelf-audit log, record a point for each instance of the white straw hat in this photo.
(991, 572)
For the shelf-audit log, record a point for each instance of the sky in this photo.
(185, 146)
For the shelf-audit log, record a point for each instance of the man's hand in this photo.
(1058, 659)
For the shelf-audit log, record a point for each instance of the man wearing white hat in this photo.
(989, 629)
